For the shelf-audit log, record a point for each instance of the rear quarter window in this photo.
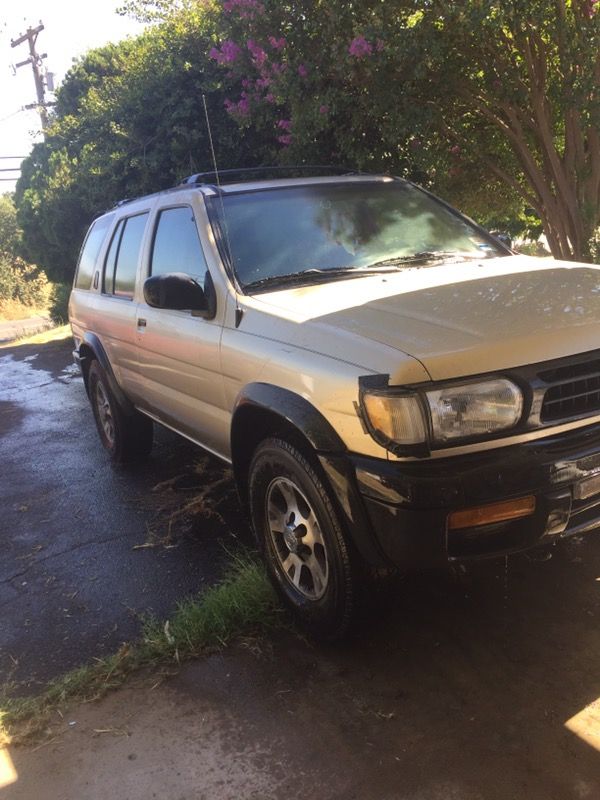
(90, 250)
(123, 255)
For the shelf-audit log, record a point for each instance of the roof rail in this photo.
(237, 175)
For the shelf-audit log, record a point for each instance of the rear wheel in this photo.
(127, 437)
(299, 532)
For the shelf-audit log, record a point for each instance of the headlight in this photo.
(440, 416)
(474, 409)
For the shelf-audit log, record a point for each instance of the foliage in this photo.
(10, 233)
(21, 284)
(466, 95)
(494, 104)
(129, 120)
(58, 306)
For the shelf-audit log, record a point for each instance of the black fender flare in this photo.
(294, 409)
(90, 341)
(300, 414)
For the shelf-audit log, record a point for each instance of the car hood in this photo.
(457, 319)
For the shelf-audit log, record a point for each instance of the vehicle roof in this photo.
(214, 189)
(275, 183)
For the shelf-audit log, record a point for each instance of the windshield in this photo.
(279, 233)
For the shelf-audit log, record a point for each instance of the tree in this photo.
(129, 120)
(10, 234)
(467, 92)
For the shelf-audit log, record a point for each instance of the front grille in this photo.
(574, 391)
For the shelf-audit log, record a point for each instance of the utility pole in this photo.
(30, 36)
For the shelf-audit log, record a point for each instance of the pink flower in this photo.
(323, 109)
(227, 54)
(263, 83)
(285, 124)
(455, 150)
(258, 54)
(277, 44)
(270, 98)
(360, 47)
(303, 70)
(243, 107)
(285, 140)
(379, 45)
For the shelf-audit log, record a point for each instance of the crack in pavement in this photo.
(39, 561)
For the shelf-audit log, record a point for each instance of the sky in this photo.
(71, 27)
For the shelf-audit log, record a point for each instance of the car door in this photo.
(116, 324)
(178, 353)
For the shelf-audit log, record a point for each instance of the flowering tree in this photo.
(471, 92)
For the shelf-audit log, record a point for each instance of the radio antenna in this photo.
(238, 311)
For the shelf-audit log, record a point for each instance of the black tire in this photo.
(309, 561)
(126, 437)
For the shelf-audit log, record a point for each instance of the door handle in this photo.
(141, 323)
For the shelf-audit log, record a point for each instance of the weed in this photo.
(243, 603)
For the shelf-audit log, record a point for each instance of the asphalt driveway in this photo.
(87, 549)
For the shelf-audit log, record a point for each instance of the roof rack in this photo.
(237, 175)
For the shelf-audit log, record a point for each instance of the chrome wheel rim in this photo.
(296, 538)
(105, 413)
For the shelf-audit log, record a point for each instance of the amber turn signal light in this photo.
(495, 512)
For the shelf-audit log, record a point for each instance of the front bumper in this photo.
(408, 503)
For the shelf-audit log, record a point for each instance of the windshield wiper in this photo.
(315, 275)
(425, 257)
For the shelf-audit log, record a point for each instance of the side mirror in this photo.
(175, 290)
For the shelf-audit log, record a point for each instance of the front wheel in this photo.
(299, 532)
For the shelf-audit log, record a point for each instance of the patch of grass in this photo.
(11, 310)
(242, 603)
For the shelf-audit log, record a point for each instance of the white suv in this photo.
(391, 384)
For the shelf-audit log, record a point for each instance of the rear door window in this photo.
(90, 250)
(123, 255)
(176, 246)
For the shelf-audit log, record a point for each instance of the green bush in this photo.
(59, 303)
(22, 283)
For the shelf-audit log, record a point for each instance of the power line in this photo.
(14, 114)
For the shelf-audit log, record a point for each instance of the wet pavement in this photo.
(478, 686)
(86, 548)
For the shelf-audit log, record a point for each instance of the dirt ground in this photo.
(475, 685)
